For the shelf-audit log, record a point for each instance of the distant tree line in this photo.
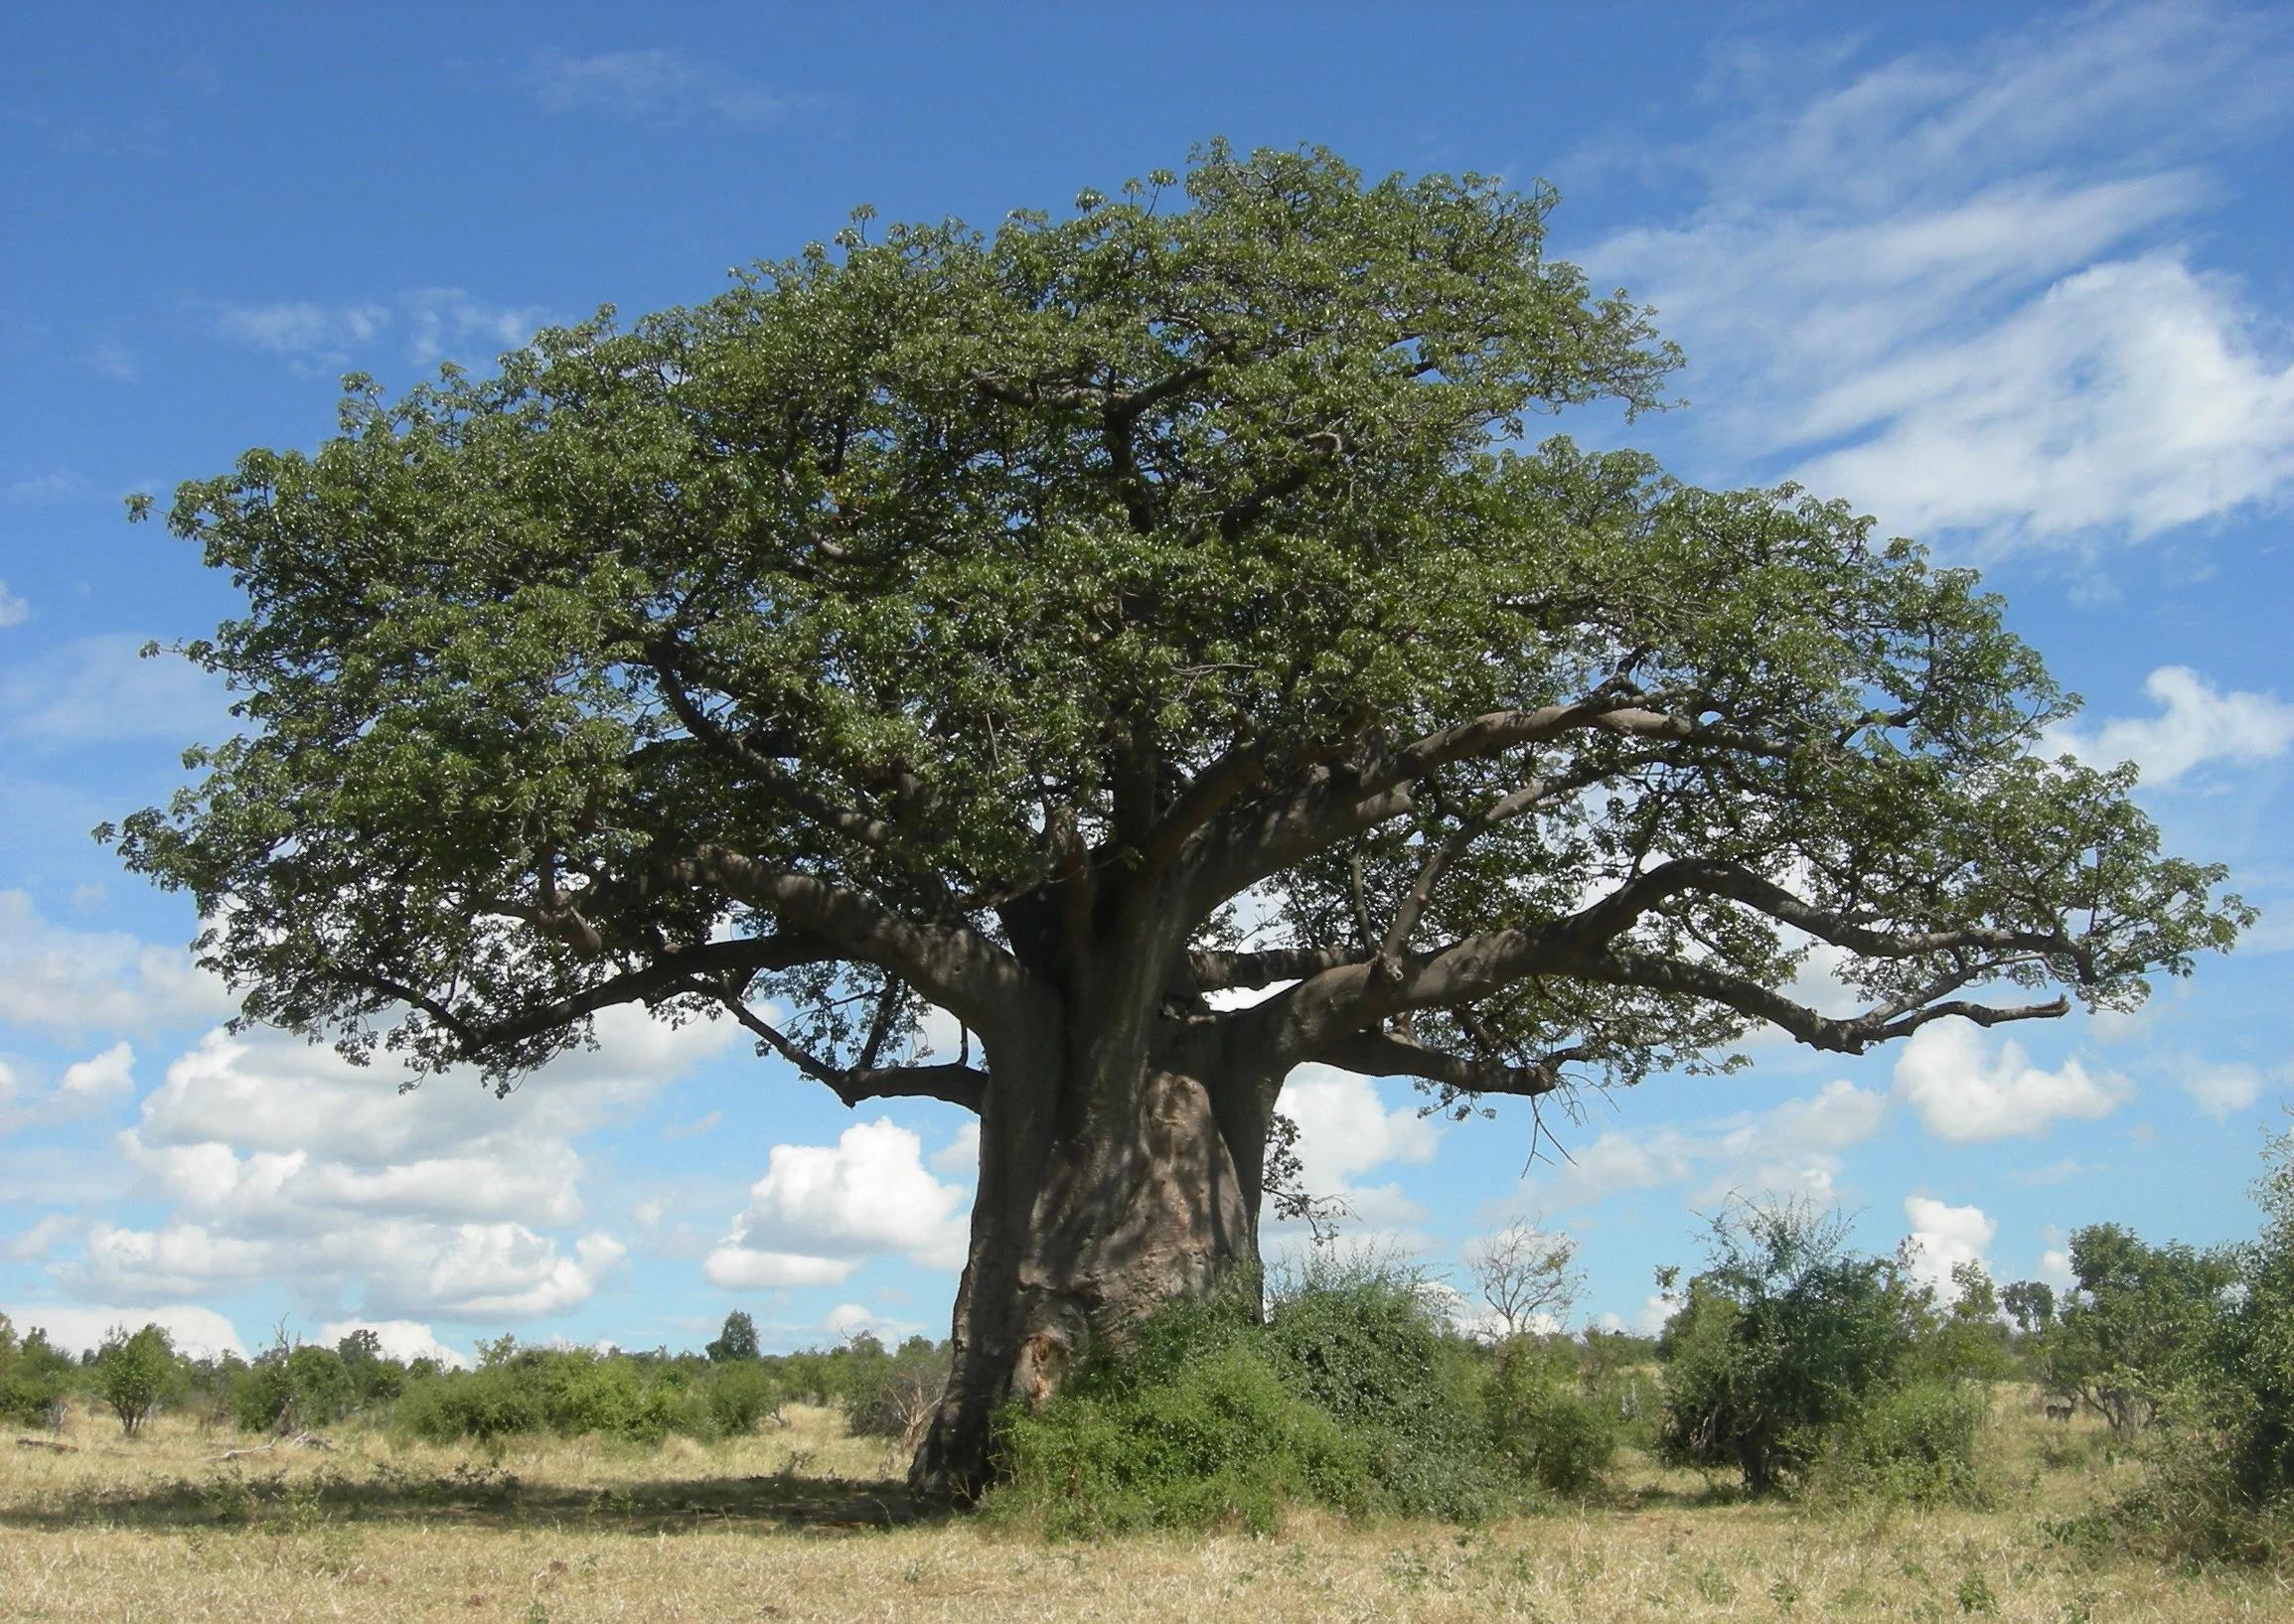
(1790, 1362)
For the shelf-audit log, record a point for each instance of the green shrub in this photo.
(740, 1396)
(27, 1398)
(1362, 1345)
(1783, 1339)
(291, 1389)
(1349, 1395)
(1916, 1446)
(1221, 1440)
(32, 1377)
(582, 1393)
(537, 1390)
(485, 1405)
(890, 1395)
(1542, 1422)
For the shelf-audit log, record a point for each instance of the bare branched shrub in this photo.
(1527, 1277)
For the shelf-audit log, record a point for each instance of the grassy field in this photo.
(784, 1526)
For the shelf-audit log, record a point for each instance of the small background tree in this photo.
(2221, 1461)
(2136, 1314)
(738, 1339)
(134, 1374)
(2031, 1304)
(1527, 1277)
(1966, 1339)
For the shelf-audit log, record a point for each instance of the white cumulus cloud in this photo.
(2197, 724)
(1964, 1092)
(107, 1077)
(1944, 1237)
(278, 1163)
(960, 1156)
(820, 1211)
(54, 978)
(1345, 1130)
(76, 1327)
(2223, 1092)
(401, 1339)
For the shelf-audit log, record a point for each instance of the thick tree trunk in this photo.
(1105, 1190)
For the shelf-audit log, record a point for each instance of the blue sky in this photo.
(2016, 281)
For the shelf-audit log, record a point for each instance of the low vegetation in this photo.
(1801, 1396)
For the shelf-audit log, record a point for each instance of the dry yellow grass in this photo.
(157, 1529)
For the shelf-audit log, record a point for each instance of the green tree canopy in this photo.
(2135, 1316)
(737, 1340)
(135, 1372)
(1067, 624)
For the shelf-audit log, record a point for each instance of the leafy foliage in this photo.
(1784, 1337)
(974, 618)
(2031, 1304)
(889, 1395)
(537, 1390)
(741, 1395)
(134, 1373)
(290, 1390)
(1544, 1424)
(1918, 1444)
(923, 589)
(738, 1339)
(1349, 1394)
(32, 1374)
(2136, 1316)
(1221, 1438)
(2221, 1478)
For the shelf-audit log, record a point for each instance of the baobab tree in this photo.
(995, 621)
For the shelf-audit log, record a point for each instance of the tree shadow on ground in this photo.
(478, 1496)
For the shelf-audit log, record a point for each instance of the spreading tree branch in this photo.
(957, 1084)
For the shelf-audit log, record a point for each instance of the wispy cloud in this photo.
(657, 87)
(102, 690)
(445, 321)
(1981, 262)
(14, 611)
(116, 362)
(1793, 1148)
(58, 484)
(431, 324)
(300, 327)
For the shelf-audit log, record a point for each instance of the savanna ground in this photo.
(797, 1523)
